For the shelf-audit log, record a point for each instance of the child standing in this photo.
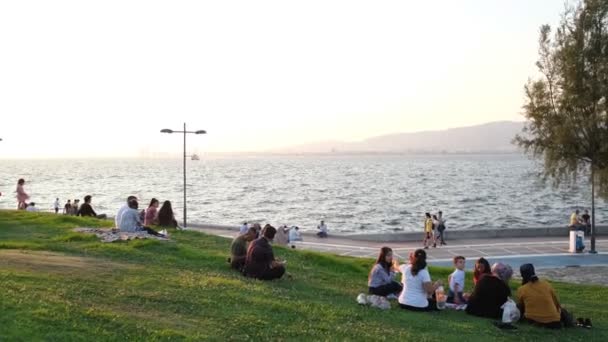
(56, 205)
(456, 280)
(428, 230)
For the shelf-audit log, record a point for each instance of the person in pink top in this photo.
(151, 217)
(22, 196)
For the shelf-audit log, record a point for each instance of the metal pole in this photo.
(185, 176)
(592, 251)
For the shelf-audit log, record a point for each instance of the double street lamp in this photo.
(166, 130)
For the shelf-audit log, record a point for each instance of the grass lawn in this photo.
(57, 285)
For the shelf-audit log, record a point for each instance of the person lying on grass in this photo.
(130, 221)
(260, 262)
(238, 249)
(381, 278)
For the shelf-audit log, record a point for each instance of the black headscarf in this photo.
(527, 274)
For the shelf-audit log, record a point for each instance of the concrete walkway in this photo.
(544, 253)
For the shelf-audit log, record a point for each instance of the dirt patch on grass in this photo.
(52, 262)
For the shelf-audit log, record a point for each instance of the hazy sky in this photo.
(101, 78)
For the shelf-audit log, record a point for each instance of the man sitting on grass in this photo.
(260, 262)
(87, 210)
(130, 221)
(238, 249)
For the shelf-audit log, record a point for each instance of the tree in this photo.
(566, 105)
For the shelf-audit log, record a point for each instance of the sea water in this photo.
(352, 193)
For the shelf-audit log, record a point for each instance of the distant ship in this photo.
(195, 157)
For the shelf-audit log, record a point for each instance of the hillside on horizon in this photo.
(489, 137)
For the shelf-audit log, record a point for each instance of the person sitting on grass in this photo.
(151, 215)
(482, 267)
(490, 293)
(456, 281)
(381, 278)
(260, 262)
(282, 236)
(130, 221)
(238, 249)
(31, 207)
(121, 211)
(75, 207)
(538, 303)
(166, 218)
(87, 210)
(417, 285)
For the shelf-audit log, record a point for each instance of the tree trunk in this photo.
(592, 210)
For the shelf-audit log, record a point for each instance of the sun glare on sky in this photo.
(96, 79)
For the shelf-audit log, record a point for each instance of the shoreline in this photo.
(451, 234)
(469, 234)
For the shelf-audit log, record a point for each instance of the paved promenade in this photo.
(549, 255)
(550, 252)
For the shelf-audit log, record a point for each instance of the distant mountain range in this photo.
(490, 137)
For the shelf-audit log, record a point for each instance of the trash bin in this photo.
(576, 233)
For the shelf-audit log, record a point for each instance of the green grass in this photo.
(57, 285)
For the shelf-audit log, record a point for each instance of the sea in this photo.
(352, 193)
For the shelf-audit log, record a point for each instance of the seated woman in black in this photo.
(166, 218)
(491, 292)
(381, 278)
(260, 262)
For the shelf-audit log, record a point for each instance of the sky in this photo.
(101, 78)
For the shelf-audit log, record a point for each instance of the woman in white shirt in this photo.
(417, 285)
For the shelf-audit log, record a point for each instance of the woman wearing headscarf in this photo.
(537, 301)
(491, 292)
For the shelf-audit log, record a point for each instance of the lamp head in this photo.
(200, 132)
(166, 130)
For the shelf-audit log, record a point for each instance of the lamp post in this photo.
(166, 130)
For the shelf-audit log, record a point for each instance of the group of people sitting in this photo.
(535, 299)
(251, 254)
(77, 209)
(130, 219)
(284, 236)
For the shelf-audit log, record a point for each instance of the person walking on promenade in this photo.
(322, 230)
(586, 221)
(428, 231)
(56, 205)
(22, 196)
(67, 208)
(441, 228)
(575, 220)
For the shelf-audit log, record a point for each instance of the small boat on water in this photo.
(195, 157)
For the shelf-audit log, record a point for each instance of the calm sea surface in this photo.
(377, 193)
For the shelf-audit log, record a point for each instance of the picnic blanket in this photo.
(111, 235)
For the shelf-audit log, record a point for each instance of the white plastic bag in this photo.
(510, 312)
